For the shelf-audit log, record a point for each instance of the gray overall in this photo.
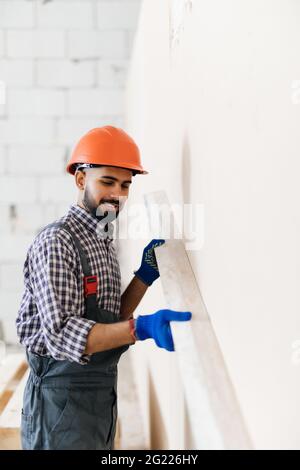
(68, 405)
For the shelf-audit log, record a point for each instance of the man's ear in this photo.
(80, 178)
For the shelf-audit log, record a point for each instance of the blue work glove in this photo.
(157, 326)
(148, 271)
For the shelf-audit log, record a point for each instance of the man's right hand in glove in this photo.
(103, 337)
(157, 327)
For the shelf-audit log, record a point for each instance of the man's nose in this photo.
(114, 197)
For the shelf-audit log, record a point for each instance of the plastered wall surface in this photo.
(217, 119)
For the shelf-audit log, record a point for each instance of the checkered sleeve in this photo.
(56, 290)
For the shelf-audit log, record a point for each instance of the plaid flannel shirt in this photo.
(50, 320)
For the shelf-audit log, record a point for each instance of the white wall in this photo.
(217, 120)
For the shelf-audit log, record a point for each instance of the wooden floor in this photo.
(13, 376)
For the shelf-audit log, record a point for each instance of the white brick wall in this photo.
(65, 73)
(2, 110)
(69, 130)
(5, 219)
(117, 15)
(2, 160)
(35, 160)
(30, 218)
(57, 189)
(30, 130)
(2, 45)
(65, 15)
(36, 103)
(17, 73)
(13, 248)
(64, 64)
(16, 14)
(97, 45)
(9, 305)
(15, 189)
(11, 277)
(95, 102)
(35, 44)
(112, 73)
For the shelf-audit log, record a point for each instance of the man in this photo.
(72, 320)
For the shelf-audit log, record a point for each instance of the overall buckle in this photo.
(90, 285)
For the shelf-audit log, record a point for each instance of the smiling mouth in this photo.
(110, 205)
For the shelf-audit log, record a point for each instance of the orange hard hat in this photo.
(109, 146)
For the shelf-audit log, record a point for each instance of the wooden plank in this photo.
(9, 368)
(10, 439)
(130, 432)
(11, 416)
(214, 413)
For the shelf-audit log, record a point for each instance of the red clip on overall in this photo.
(90, 285)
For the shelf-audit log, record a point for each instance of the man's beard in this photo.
(97, 211)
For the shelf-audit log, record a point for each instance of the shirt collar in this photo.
(91, 223)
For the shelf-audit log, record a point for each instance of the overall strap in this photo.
(90, 281)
